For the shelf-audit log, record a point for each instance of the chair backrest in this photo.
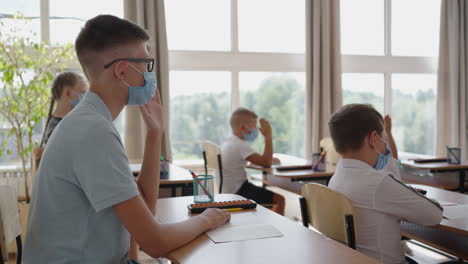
(212, 158)
(330, 212)
(10, 221)
(211, 154)
(332, 156)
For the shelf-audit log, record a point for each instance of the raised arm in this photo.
(266, 159)
(391, 141)
(148, 179)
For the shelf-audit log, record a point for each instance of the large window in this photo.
(280, 98)
(390, 60)
(236, 53)
(57, 22)
(199, 25)
(67, 17)
(200, 107)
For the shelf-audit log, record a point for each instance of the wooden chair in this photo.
(10, 223)
(328, 211)
(212, 159)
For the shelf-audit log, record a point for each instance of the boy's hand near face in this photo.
(388, 124)
(152, 113)
(265, 128)
(265, 160)
(148, 179)
(391, 141)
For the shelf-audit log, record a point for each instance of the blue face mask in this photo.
(382, 160)
(140, 95)
(252, 135)
(76, 101)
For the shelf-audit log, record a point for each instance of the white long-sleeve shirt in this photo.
(381, 201)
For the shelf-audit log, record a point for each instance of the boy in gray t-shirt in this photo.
(86, 203)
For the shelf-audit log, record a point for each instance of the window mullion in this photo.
(45, 21)
(235, 94)
(388, 28)
(388, 54)
(234, 27)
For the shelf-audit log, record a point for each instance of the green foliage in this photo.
(26, 70)
(414, 129)
(413, 116)
(205, 116)
(281, 100)
(350, 97)
(195, 118)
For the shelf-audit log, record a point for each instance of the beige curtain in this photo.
(452, 77)
(323, 66)
(150, 15)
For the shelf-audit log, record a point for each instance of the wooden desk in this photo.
(177, 178)
(298, 245)
(292, 180)
(450, 236)
(441, 167)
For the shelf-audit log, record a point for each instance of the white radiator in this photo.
(15, 178)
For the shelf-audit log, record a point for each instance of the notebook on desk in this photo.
(294, 167)
(430, 160)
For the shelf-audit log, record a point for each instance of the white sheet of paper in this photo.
(230, 233)
(456, 211)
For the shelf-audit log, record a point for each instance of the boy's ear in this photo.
(372, 138)
(66, 92)
(242, 127)
(119, 69)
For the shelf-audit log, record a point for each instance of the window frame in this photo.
(236, 61)
(389, 64)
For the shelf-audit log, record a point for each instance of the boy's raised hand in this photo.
(265, 128)
(152, 113)
(388, 124)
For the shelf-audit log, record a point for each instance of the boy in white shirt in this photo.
(236, 151)
(368, 175)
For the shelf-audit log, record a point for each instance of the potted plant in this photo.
(26, 69)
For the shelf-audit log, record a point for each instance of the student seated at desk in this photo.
(66, 92)
(86, 203)
(236, 151)
(368, 175)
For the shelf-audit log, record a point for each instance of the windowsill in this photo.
(189, 163)
(10, 167)
(408, 155)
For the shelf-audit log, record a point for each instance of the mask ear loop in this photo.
(135, 70)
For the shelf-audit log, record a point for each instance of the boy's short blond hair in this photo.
(241, 116)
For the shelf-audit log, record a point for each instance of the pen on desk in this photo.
(322, 155)
(234, 209)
